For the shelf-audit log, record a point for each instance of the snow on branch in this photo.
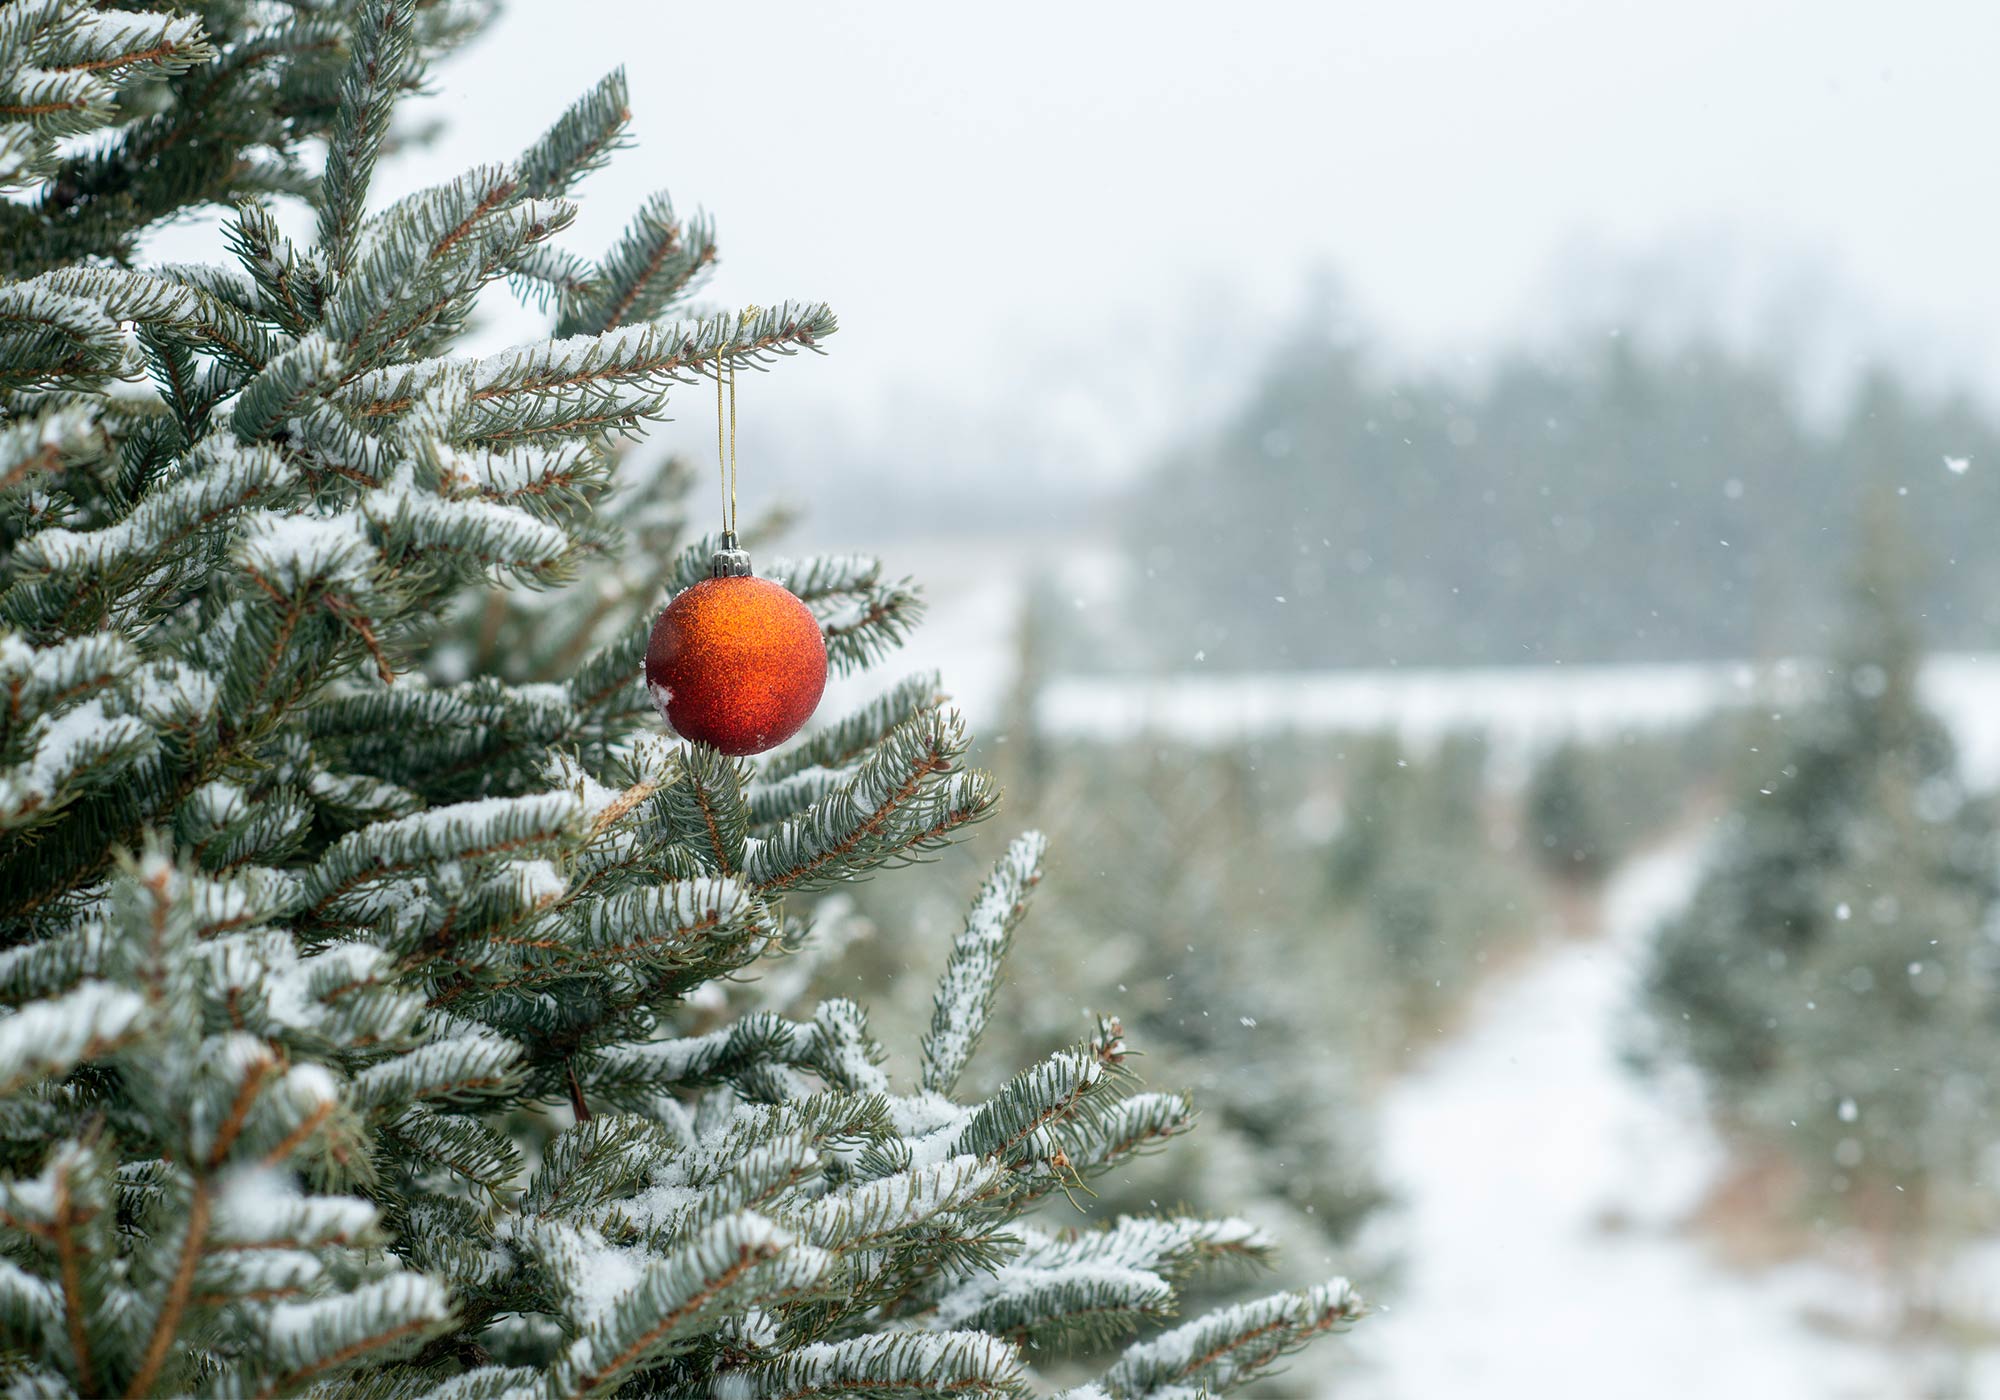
(466, 831)
(47, 1039)
(1172, 1246)
(864, 1214)
(1231, 1345)
(290, 283)
(304, 1341)
(221, 478)
(460, 1144)
(846, 1055)
(647, 357)
(77, 749)
(38, 679)
(291, 553)
(34, 443)
(205, 320)
(486, 534)
(124, 43)
(971, 976)
(677, 924)
(1011, 1126)
(703, 808)
(460, 1068)
(593, 1162)
(739, 1261)
(1132, 1126)
(281, 390)
(419, 264)
(754, 1043)
(48, 338)
(887, 1363)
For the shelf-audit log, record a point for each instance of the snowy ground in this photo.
(1544, 1189)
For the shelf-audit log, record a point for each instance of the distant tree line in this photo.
(1619, 503)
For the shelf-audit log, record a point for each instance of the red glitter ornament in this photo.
(736, 661)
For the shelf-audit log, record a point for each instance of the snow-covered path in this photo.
(1542, 1184)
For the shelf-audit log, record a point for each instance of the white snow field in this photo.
(1544, 1187)
(1523, 709)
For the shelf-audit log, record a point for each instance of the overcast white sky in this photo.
(1063, 229)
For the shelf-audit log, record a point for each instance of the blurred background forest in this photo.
(1470, 527)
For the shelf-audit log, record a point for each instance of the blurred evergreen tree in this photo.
(1834, 977)
(1567, 821)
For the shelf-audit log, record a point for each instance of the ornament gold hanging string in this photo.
(725, 448)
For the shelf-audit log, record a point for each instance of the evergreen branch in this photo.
(581, 141)
(281, 390)
(467, 831)
(652, 267)
(69, 1258)
(704, 807)
(738, 1261)
(418, 266)
(384, 57)
(840, 744)
(1050, 1305)
(1034, 1099)
(1133, 1125)
(192, 313)
(38, 442)
(737, 1053)
(549, 277)
(905, 797)
(48, 337)
(865, 1215)
(119, 40)
(290, 285)
(1231, 1345)
(312, 1338)
(166, 1321)
(862, 618)
(889, 1366)
(971, 977)
(592, 1163)
(648, 356)
(58, 104)
(463, 1069)
(460, 1144)
(57, 570)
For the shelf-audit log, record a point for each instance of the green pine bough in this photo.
(376, 975)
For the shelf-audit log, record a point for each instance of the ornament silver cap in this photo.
(729, 561)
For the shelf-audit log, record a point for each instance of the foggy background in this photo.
(1063, 237)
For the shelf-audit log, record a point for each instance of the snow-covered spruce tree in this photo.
(310, 956)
